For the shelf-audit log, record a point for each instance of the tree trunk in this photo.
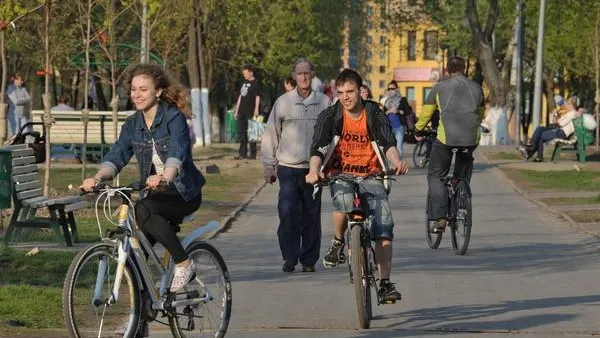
(204, 91)
(194, 76)
(3, 103)
(46, 99)
(482, 39)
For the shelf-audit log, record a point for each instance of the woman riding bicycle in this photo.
(159, 136)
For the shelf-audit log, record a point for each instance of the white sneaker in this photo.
(182, 276)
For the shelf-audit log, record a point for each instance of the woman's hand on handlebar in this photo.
(153, 182)
(88, 184)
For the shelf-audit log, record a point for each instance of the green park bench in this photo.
(577, 142)
(19, 172)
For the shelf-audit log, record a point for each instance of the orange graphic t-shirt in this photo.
(354, 153)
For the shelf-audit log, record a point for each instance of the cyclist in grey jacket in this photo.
(285, 151)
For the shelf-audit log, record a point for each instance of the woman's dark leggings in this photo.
(159, 213)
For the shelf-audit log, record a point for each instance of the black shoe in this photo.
(288, 266)
(240, 158)
(387, 292)
(308, 268)
(335, 255)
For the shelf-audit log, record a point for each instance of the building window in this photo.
(369, 10)
(431, 45)
(369, 69)
(382, 55)
(369, 25)
(382, 69)
(368, 82)
(412, 46)
(426, 91)
(382, 40)
(381, 84)
(369, 39)
(410, 93)
(382, 25)
(369, 54)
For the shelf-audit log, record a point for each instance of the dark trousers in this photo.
(159, 213)
(299, 229)
(439, 166)
(243, 137)
(542, 135)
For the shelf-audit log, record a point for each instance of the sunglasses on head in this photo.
(392, 88)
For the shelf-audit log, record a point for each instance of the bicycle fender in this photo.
(199, 233)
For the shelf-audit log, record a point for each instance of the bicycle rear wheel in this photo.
(461, 228)
(209, 318)
(433, 240)
(360, 270)
(87, 289)
(420, 154)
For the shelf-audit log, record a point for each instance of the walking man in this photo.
(285, 152)
(247, 107)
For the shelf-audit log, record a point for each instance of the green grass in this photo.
(503, 155)
(555, 180)
(47, 268)
(31, 287)
(571, 200)
(61, 178)
(31, 306)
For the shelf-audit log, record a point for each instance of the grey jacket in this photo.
(287, 138)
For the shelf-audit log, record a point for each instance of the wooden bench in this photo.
(67, 131)
(576, 141)
(28, 199)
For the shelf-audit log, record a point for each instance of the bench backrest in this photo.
(25, 174)
(68, 127)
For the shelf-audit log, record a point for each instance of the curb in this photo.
(228, 220)
(574, 224)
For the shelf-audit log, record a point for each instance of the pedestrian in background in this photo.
(19, 103)
(285, 151)
(247, 107)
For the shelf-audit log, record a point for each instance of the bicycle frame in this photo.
(132, 246)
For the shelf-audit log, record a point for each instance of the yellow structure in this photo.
(411, 57)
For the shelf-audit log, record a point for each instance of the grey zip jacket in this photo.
(287, 138)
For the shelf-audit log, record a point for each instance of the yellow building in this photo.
(412, 57)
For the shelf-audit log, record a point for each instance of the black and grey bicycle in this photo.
(423, 149)
(111, 291)
(459, 211)
(362, 262)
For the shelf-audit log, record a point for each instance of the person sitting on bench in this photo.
(563, 129)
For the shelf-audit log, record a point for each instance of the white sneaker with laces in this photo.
(182, 276)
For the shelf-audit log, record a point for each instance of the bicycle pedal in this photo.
(388, 302)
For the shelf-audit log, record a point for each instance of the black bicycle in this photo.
(459, 211)
(362, 266)
(423, 149)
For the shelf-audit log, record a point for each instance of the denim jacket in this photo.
(170, 133)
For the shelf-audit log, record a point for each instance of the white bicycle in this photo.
(110, 290)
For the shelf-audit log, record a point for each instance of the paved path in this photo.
(526, 274)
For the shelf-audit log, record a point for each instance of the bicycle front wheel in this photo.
(420, 154)
(362, 288)
(461, 229)
(86, 292)
(433, 239)
(209, 318)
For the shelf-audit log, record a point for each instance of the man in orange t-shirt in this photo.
(357, 123)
